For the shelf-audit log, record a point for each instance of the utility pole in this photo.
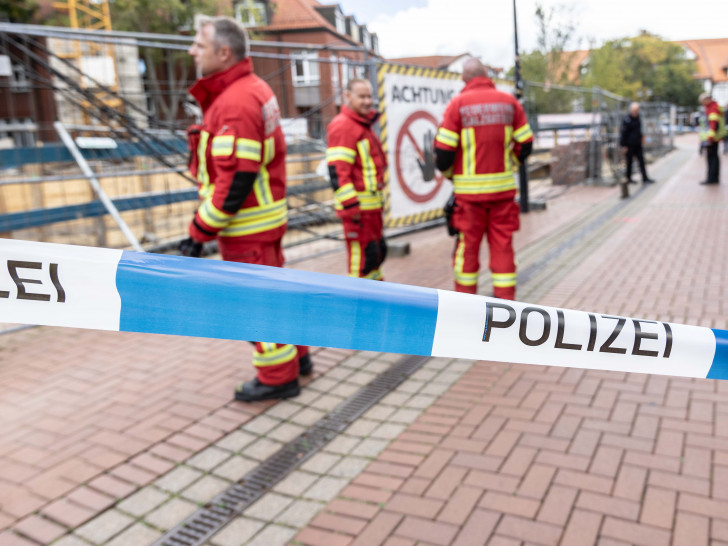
(522, 169)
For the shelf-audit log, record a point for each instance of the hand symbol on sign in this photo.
(428, 167)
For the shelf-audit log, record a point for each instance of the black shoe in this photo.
(648, 181)
(252, 391)
(305, 365)
(706, 182)
(630, 181)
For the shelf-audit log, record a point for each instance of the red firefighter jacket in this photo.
(716, 122)
(485, 127)
(240, 133)
(356, 163)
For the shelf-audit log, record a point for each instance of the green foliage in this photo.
(550, 63)
(644, 68)
(18, 11)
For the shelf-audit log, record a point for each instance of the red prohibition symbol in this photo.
(406, 133)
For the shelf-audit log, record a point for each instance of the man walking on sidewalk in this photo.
(716, 132)
(239, 159)
(356, 170)
(630, 138)
(484, 134)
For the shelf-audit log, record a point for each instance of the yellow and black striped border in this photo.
(406, 70)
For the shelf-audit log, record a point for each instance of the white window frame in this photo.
(340, 22)
(251, 13)
(310, 73)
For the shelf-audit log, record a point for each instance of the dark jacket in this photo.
(630, 134)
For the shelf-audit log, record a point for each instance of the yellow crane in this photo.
(95, 60)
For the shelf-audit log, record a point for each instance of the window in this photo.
(251, 13)
(19, 79)
(340, 22)
(365, 38)
(335, 73)
(305, 68)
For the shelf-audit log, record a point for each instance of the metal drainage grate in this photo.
(209, 519)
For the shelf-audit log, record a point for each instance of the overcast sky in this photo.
(485, 27)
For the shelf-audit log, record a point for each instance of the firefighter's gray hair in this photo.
(228, 32)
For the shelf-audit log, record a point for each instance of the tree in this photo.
(167, 70)
(18, 11)
(550, 63)
(644, 68)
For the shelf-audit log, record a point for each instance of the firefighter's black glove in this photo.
(449, 210)
(190, 247)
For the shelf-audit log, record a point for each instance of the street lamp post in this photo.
(522, 169)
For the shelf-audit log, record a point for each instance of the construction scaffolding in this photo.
(90, 161)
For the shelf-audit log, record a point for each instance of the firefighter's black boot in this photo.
(305, 365)
(252, 391)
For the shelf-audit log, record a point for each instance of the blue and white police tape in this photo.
(81, 287)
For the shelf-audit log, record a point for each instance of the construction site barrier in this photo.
(84, 287)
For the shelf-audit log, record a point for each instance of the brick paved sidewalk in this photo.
(516, 454)
(140, 428)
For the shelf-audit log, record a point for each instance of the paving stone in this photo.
(261, 449)
(237, 532)
(286, 432)
(237, 440)
(284, 409)
(136, 534)
(143, 501)
(370, 447)
(235, 468)
(179, 478)
(205, 489)
(349, 467)
(320, 463)
(295, 483)
(261, 425)
(342, 444)
(300, 512)
(105, 527)
(209, 458)
(362, 428)
(325, 489)
(268, 507)
(307, 416)
(172, 513)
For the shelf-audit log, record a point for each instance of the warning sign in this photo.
(414, 101)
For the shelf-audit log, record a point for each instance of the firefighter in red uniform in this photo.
(356, 170)
(483, 136)
(716, 132)
(238, 155)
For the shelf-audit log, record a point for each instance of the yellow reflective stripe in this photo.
(222, 145)
(257, 219)
(369, 201)
(507, 151)
(504, 280)
(355, 260)
(213, 216)
(447, 137)
(246, 148)
(711, 134)
(274, 357)
(466, 279)
(262, 190)
(269, 150)
(523, 133)
(484, 183)
(345, 192)
(714, 116)
(202, 175)
(340, 153)
(375, 275)
(468, 136)
(368, 170)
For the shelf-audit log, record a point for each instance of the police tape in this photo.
(83, 287)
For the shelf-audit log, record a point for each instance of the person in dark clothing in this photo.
(630, 138)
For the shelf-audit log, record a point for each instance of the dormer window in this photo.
(340, 22)
(251, 13)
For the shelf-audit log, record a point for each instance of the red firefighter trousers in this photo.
(366, 248)
(276, 363)
(497, 220)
